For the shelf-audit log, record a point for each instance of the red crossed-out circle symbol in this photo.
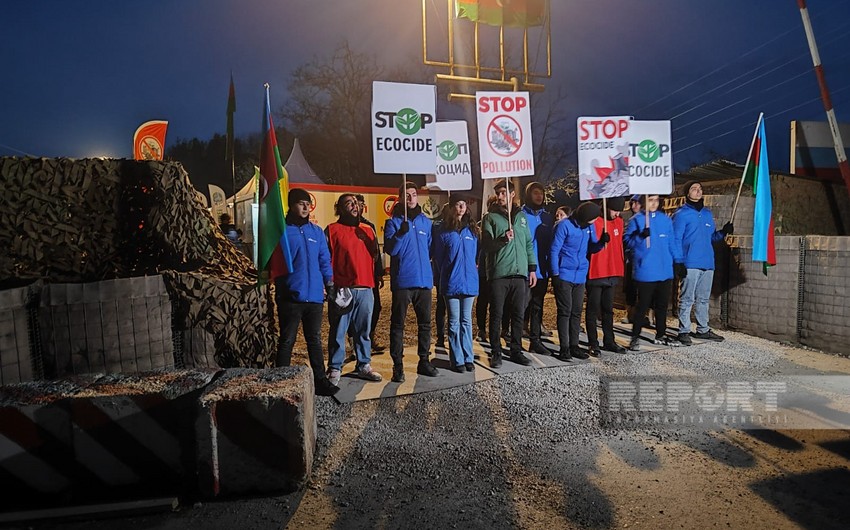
(504, 135)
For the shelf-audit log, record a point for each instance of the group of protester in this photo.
(508, 258)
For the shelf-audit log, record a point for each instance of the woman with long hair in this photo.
(455, 252)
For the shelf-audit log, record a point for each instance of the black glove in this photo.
(680, 270)
(645, 232)
(404, 228)
(728, 229)
(331, 291)
(604, 238)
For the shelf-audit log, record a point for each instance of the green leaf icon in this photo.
(447, 150)
(648, 151)
(407, 121)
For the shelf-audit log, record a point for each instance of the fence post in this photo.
(801, 287)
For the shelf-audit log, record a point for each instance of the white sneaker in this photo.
(366, 372)
(334, 375)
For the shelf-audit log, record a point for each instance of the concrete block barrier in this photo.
(256, 431)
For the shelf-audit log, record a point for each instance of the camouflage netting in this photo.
(65, 220)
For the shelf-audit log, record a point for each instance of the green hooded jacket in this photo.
(503, 258)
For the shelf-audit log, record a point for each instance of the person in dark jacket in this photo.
(540, 226)
(407, 240)
(695, 231)
(300, 295)
(606, 269)
(652, 267)
(456, 249)
(573, 239)
(511, 267)
(440, 310)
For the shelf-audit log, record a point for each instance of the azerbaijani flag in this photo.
(273, 253)
(757, 175)
(513, 13)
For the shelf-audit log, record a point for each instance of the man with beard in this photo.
(511, 271)
(407, 240)
(540, 226)
(353, 251)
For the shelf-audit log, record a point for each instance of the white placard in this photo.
(603, 150)
(403, 127)
(454, 169)
(650, 158)
(504, 134)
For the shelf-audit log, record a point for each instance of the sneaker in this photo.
(366, 372)
(594, 350)
(325, 388)
(520, 358)
(470, 367)
(545, 332)
(565, 356)
(685, 338)
(398, 373)
(426, 368)
(666, 341)
(378, 349)
(578, 353)
(709, 335)
(539, 348)
(481, 337)
(495, 360)
(334, 375)
(616, 348)
(634, 344)
(459, 368)
(441, 343)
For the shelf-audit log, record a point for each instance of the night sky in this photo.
(80, 76)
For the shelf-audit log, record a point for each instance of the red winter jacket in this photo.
(608, 262)
(353, 251)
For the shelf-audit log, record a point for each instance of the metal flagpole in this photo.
(403, 194)
(746, 166)
(508, 195)
(604, 214)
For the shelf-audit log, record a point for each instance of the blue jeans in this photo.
(359, 320)
(460, 329)
(695, 291)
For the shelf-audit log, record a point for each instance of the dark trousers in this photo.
(421, 300)
(376, 312)
(600, 298)
(510, 296)
(290, 315)
(440, 317)
(568, 297)
(482, 302)
(629, 286)
(655, 295)
(534, 312)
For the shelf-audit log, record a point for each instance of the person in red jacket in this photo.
(353, 252)
(606, 269)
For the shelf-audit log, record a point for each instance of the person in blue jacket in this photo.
(300, 295)
(407, 240)
(573, 239)
(456, 249)
(652, 267)
(540, 226)
(695, 231)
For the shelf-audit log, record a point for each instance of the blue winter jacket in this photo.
(696, 233)
(410, 253)
(540, 225)
(570, 245)
(311, 263)
(455, 251)
(653, 264)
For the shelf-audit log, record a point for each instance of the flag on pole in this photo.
(512, 13)
(274, 255)
(149, 140)
(757, 175)
(231, 108)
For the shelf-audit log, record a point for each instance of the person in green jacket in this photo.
(511, 267)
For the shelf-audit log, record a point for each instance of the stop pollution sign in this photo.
(504, 134)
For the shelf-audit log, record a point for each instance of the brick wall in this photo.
(827, 281)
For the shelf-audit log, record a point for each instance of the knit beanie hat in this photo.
(687, 187)
(533, 185)
(586, 213)
(297, 195)
(616, 203)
